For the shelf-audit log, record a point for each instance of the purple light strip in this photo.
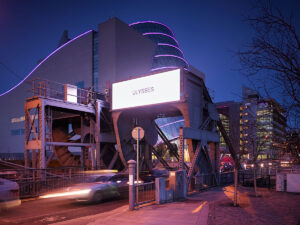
(52, 53)
(161, 34)
(156, 56)
(171, 46)
(149, 21)
(165, 67)
(167, 124)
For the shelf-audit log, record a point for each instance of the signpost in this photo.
(137, 133)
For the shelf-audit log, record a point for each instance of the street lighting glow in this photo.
(69, 193)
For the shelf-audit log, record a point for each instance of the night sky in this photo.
(207, 31)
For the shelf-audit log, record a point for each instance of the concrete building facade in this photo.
(256, 126)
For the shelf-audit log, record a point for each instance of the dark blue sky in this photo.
(208, 32)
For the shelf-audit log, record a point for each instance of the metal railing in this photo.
(52, 89)
(263, 178)
(203, 181)
(145, 193)
(35, 182)
(226, 178)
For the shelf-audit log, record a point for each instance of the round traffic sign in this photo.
(138, 133)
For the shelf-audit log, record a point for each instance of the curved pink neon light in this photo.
(165, 67)
(149, 21)
(171, 46)
(156, 56)
(52, 53)
(158, 33)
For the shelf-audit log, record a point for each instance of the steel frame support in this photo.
(166, 141)
(194, 163)
(181, 149)
(97, 134)
(228, 142)
(171, 149)
(115, 117)
(42, 132)
(163, 162)
(92, 150)
(36, 144)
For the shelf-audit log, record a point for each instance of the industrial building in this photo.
(91, 60)
(83, 100)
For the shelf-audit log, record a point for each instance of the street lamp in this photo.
(261, 168)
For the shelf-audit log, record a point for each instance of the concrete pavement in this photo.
(194, 210)
(212, 207)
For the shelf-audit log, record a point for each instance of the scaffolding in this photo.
(51, 102)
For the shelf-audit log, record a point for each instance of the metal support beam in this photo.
(194, 162)
(97, 134)
(69, 144)
(181, 149)
(93, 156)
(113, 161)
(33, 158)
(163, 162)
(197, 134)
(50, 158)
(115, 117)
(42, 132)
(82, 157)
(166, 141)
(169, 145)
(205, 151)
(228, 142)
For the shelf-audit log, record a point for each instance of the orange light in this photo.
(99, 171)
(199, 208)
(69, 193)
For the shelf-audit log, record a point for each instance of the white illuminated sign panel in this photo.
(70, 93)
(154, 89)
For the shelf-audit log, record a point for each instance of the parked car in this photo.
(9, 194)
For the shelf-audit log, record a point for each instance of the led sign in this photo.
(154, 89)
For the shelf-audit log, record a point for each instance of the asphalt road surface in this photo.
(46, 211)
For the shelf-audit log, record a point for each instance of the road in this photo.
(46, 211)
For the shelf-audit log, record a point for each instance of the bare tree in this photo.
(271, 60)
(293, 145)
(255, 139)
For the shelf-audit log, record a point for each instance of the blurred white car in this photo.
(97, 188)
(9, 194)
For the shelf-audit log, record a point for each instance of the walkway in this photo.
(213, 207)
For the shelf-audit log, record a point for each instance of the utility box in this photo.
(177, 183)
(293, 182)
(162, 195)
